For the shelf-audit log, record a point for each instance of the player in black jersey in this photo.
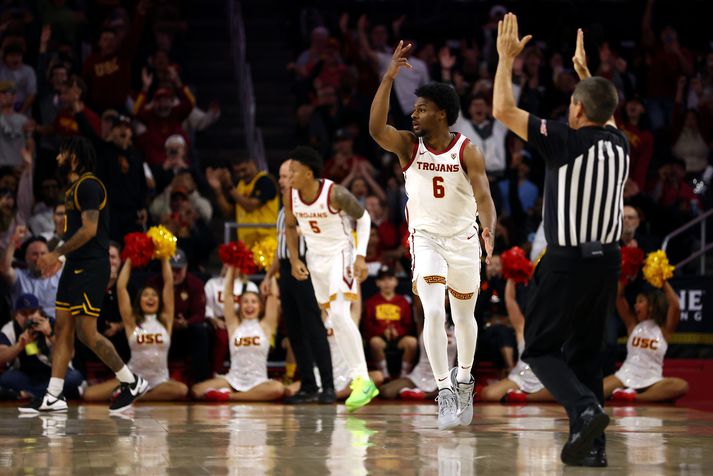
(83, 281)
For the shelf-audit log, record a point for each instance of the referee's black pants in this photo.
(568, 303)
(305, 329)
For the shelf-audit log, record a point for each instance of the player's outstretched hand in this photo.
(360, 270)
(580, 57)
(299, 270)
(49, 264)
(488, 242)
(399, 60)
(509, 43)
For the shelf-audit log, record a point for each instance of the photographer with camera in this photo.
(25, 349)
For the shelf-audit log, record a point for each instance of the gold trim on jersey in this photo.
(461, 296)
(75, 187)
(434, 279)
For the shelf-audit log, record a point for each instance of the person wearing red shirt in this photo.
(108, 71)
(163, 116)
(71, 95)
(641, 142)
(388, 323)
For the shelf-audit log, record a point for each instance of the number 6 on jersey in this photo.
(439, 191)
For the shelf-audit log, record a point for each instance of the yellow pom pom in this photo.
(656, 269)
(164, 242)
(264, 252)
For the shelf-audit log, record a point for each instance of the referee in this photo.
(573, 288)
(303, 318)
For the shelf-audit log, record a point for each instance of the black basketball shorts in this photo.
(82, 285)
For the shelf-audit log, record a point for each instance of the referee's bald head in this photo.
(598, 98)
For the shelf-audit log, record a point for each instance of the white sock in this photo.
(384, 368)
(55, 386)
(348, 338)
(125, 375)
(406, 368)
(435, 339)
(466, 333)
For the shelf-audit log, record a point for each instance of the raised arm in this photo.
(504, 106)
(673, 316)
(7, 272)
(579, 60)
(342, 199)
(122, 294)
(399, 142)
(517, 319)
(272, 305)
(231, 320)
(167, 294)
(624, 310)
(475, 165)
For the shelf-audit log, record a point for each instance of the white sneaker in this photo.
(464, 392)
(47, 404)
(447, 409)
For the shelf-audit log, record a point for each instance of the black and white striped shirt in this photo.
(282, 251)
(586, 170)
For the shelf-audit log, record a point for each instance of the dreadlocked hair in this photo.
(83, 150)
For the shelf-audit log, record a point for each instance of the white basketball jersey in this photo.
(645, 351)
(440, 197)
(326, 231)
(149, 346)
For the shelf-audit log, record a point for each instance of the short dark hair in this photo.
(115, 244)
(308, 157)
(31, 240)
(599, 98)
(83, 149)
(445, 98)
(79, 82)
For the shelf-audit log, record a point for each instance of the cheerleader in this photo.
(249, 345)
(148, 325)
(649, 326)
(521, 384)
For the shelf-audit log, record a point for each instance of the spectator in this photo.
(190, 334)
(71, 97)
(14, 127)
(489, 134)
(41, 222)
(689, 142)
(54, 237)
(255, 195)
(641, 141)
(388, 324)
(30, 280)
(307, 60)
(163, 116)
(389, 236)
(26, 347)
(632, 235)
(345, 161)
(121, 169)
(182, 181)
(215, 315)
(108, 70)
(13, 69)
(519, 182)
(16, 204)
(176, 161)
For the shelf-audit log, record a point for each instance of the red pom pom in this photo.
(237, 254)
(631, 260)
(139, 247)
(516, 266)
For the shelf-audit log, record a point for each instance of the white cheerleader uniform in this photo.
(645, 351)
(523, 376)
(422, 374)
(331, 249)
(249, 347)
(441, 212)
(149, 344)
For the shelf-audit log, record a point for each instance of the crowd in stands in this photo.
(113, 73)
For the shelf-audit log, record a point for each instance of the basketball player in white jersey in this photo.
(325, 212)
(447, 189)
(649, 326)
(148, 325)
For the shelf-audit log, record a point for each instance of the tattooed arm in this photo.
(343, 200)
(49, 264)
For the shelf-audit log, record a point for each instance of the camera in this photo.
(29, 324)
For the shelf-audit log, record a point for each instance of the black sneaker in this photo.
(47, 404)
(589, 425)
(302, 397)
(126, 393)
(597, 458)
(327, 395)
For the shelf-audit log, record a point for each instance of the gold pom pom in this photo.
(164, 242)
(656, 269)
(264, 252)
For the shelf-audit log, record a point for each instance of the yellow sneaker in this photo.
(363, 390)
